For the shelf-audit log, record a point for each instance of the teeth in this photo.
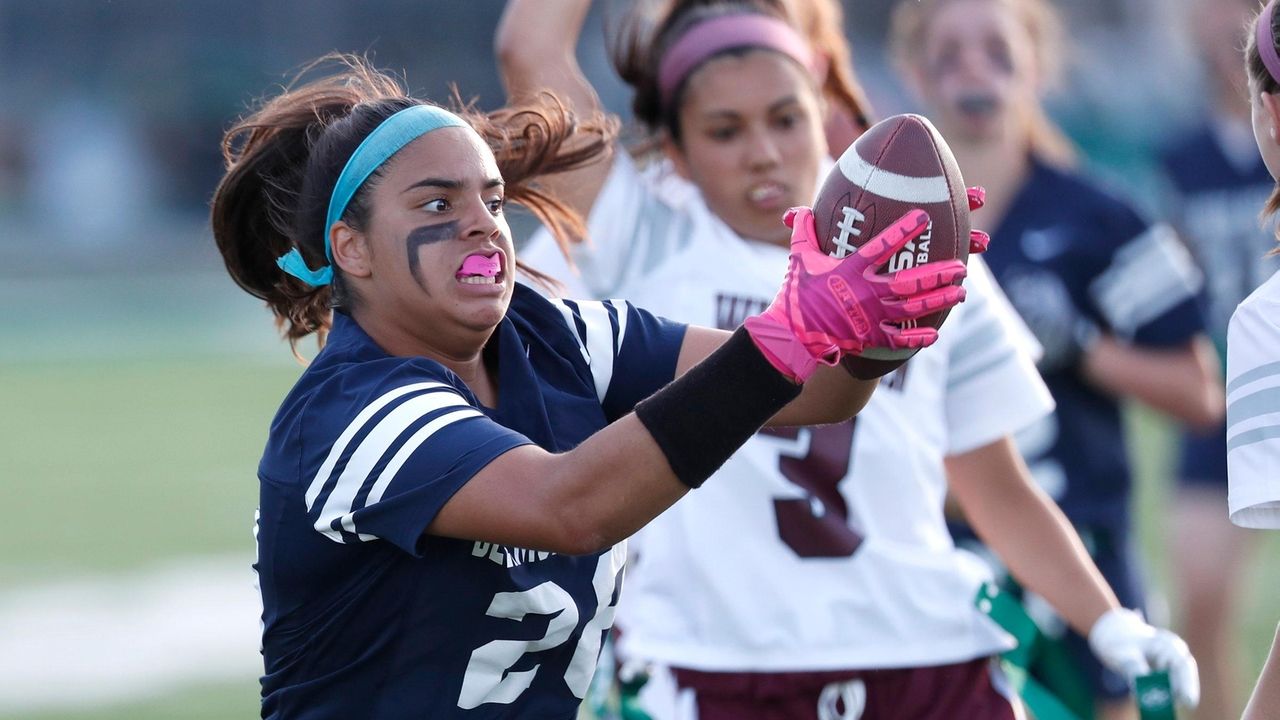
(478, 280)
(762, 192)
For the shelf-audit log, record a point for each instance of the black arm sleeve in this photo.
(704, 416)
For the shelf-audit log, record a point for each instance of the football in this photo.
(899, 164)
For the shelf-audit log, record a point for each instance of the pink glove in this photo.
(978, 240)
(829, 307)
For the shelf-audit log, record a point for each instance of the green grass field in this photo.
(120, 464)
(123, 465)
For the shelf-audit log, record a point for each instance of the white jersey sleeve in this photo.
(1253, 409)
(993, 388)
(633, 226)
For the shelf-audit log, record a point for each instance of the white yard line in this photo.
(92, 640)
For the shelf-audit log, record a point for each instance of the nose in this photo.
(976, 62)
(480, 223)
(762, 151)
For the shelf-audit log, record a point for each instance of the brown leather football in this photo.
(899, 164)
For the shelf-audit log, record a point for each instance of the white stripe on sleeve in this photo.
(570, 318)
(623, 309)
(1148, 276)
(340, 445)
(1253, 409)
(990, 355)
(402, 455)
(602, 340)
(341, 501)
(599, 343)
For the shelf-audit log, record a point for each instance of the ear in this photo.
(675, 154)
(350, 250)
(1271, 110)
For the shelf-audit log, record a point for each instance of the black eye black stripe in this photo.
(426, 235)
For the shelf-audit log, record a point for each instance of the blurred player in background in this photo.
(1253, 351)
(846, 107)
(1218, 182)
(463, 453)
(866, 609)
(1112, 298)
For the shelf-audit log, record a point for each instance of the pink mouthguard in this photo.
(481, 265)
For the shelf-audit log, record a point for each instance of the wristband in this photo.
(702, 417)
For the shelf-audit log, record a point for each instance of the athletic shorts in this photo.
(1204, 459)
(973, 690)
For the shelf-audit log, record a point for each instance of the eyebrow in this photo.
(773, 107)
(452, 184)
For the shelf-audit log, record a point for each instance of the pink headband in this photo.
(1267, 42)
(715, 35)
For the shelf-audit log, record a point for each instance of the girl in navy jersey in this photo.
(869, 611)
(1253, 350)
(1112, 298)
(1217, 181)
(447, 490)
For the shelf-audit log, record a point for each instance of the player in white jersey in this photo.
(1253, 352)
(1253, 409)
(864, 498)
(825, 584)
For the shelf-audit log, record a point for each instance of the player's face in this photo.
(978, 71)
(439, 202)
(1266, 128)
(751, 140)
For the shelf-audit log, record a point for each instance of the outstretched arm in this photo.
(535, 44)
(727, 387)
(620, 478)
(830, 395)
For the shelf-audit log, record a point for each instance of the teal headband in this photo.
(386, 140)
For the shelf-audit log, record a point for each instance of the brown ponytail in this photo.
(822, 23)
(283, 159)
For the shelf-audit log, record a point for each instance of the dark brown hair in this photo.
(643, 38)
(1261, 80)
(283, 159)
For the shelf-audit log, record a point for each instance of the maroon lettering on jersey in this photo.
(731, 310)
(817, 525)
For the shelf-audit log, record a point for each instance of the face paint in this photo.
(427, 235)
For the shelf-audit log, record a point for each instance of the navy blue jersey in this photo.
(364, 616)
(1065, 238)
(1215, 206)
(1216, 197)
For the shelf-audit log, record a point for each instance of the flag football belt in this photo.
(1154, 696)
